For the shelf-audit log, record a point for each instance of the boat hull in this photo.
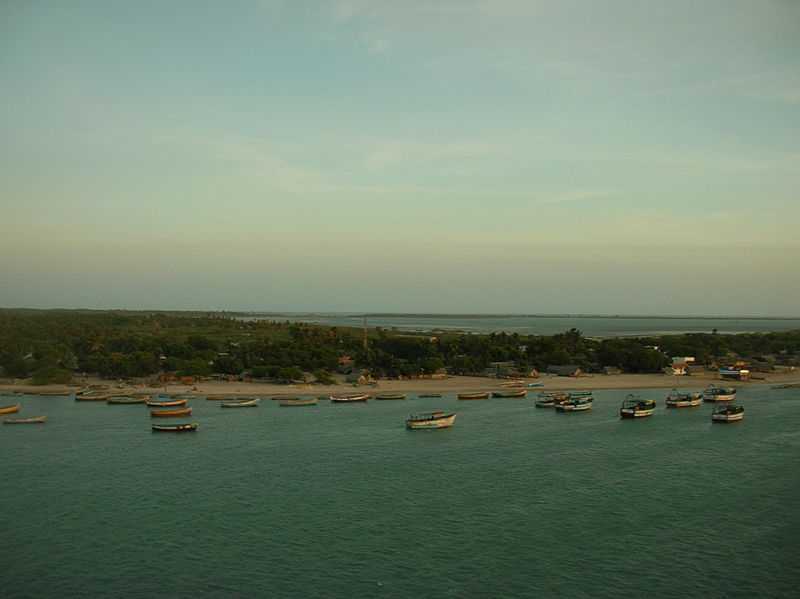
(473, 396)
(683, 403)
(251, 403)
(631, 413)
(120, 401)
(174, 403)
(574, 408)
(713, 398)
(727, 417)
(10, 409)
(36, 420)
(390, 396)
(170, 413)
(434, 423)
(296, 403)
(174, 428)
(349, 399)
(510, 394)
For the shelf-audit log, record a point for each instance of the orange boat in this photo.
(9, 409)
(170, 413)
(172, 403)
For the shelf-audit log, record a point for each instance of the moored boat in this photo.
(475, 395)
(350, 398)
(550, 399)
(676, 399)
(430, 420)
(124, 400)
(170, 413)
(171, 403)
(390, 396)
(298, 401)
(9, 409)
(34, 420)
(712, 393)
(427, 395)
(175, 428)
(727, 413)
(511, 393)
(93, 396)
(634, 406)
(251, 402)
(578, 404)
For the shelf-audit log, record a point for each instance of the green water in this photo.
(342, 501)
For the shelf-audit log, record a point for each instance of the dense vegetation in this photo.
(50, 346)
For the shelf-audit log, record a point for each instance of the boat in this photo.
(170, 413)
(283, 397)
(34, 420)
(93, 396)
(634, 406)
(351, 398)
(579, 404)
(425, 395)
(298, 401)
(712, 393)
(120, 400)
(9, 409)
(550, 399)
(676, 399)
(390, 396)
(513, 383)
(515, 393)
(171, 403)
(245, 402)
(475, 395)
(175, 428)
(730, 412)
(535, 385)
(222, 397)
(430, 420)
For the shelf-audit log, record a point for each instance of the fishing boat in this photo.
(426, 395)
(170, 413)
(535, 385)
(124, 400)
(93, 396)
(712, 393)
(9, 409)
(634, 406)
(170, 403)
(676, 399)
(351, 398)
(475, 395)
(430, 420)
(513, 383)
(247, 402)
(390, 396)
(175, 428)
(551, 399)
(34, 420)
(515, 393)
(580, 404)
(727, 413)
(298, 401)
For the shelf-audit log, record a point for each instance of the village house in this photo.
(564, 370)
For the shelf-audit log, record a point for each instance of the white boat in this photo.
(727, 413)
(359, 397)
(580, 404)
(430, 420)
(635, 407)
(712, 393)
(241, 403)
(676, 399)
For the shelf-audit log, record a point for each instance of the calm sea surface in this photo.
(342, 501)
(593, 326)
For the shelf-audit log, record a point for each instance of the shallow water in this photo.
(342, 501)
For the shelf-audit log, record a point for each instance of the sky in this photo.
(496, 156)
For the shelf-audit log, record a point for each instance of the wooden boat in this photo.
(284, 397)
(712, 393)
(513, 383)
(298, 401)
(53, 393)
(580, 404)
(475, 395)
(634, 406)
(430, 420)
(170, 413)
(551, 399)
(124, 401)
(676, 399)
(9, 409)
(390, 396)
(426, 395)
(171, 403)
(727, 413)
(222, 397)
(351, 398)
(175, 428)
(535, 385)
(34, 420)
(93, 396)
(245, 402)
(511, 394)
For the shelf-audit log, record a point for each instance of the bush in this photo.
(323, 377)
(51, 375)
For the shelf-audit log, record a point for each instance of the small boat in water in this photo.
(9, 409)
(551, 399)
(676, 399)
(246, 402)
(578, 404)
(175, 428)
(170, 413)
(93, 396)
(635, 407)
(351, 398)
(426, 395)
(34, 420)
(511, 394)
(430, 420)
(297, 402)
(712, 393)
(727, 413)
(475, 395)
(124, 401)
(390, 396)
(171, 403)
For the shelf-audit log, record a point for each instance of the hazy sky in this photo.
(452, 156)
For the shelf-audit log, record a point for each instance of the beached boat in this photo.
(34, 420)
(511, 394)
(535, 385)
(551, 399)
(676, 399)
(351, 398)
(426, 395)
(580, 404)
(170, 403)
(727, 413)
(712, 393)
(93, 396)
(390, 396)
(248, 402)
(475, 395)
(634, 406)
(298, 401)
(175, 428)
(513, 383)
(430, 420)
(170, 413)
(124, 401)
(9, 409)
